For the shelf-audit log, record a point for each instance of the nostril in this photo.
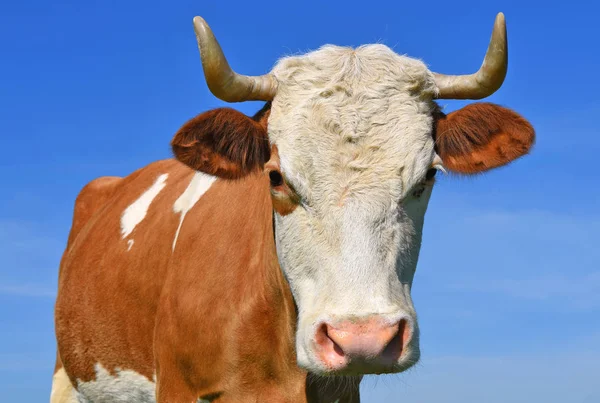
(398, 343)
(405, 330)
(330, 353)
(336, 348)
(321, 334)
(326, 341)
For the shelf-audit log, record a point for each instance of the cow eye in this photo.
(276, 178)
(430, 174)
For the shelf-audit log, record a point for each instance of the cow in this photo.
(272, 259)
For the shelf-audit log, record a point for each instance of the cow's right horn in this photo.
(222, 81)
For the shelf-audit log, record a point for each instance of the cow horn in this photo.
(490, 76)
(222, 81)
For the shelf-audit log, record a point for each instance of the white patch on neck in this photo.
(125, 386)
(135, 213)
(199, 184)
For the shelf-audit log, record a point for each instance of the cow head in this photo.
(352, 140)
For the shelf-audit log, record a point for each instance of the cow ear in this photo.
(480, 137)
(222, 142)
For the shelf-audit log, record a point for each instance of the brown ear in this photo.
(222, 142)
(482, 136)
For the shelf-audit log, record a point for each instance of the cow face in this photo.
(352, 145)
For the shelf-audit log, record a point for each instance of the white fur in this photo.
(62, 389)
(124, 386)
(199, 184)
(135, 213)
(353, 129)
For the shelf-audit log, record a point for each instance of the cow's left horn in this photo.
(490, 76)
(222, 81)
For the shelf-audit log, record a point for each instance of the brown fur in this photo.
(108, 295)
(90, 200)
(215, 318)
(254, 309)
(481, 136)
(222, 142)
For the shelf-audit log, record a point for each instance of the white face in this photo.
(353, 130)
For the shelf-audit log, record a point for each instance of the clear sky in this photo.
(508, 285)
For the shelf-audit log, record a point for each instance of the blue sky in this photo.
(508, 285)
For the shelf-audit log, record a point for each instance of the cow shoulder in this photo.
(91, 199)
(110, 279)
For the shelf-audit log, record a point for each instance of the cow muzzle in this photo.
(366, 346)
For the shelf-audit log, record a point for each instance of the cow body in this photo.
(278, 245)
(180, 260)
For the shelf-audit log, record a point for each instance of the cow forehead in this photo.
(352, 120)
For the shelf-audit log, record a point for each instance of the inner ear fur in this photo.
(223, 142)
(481, 136)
